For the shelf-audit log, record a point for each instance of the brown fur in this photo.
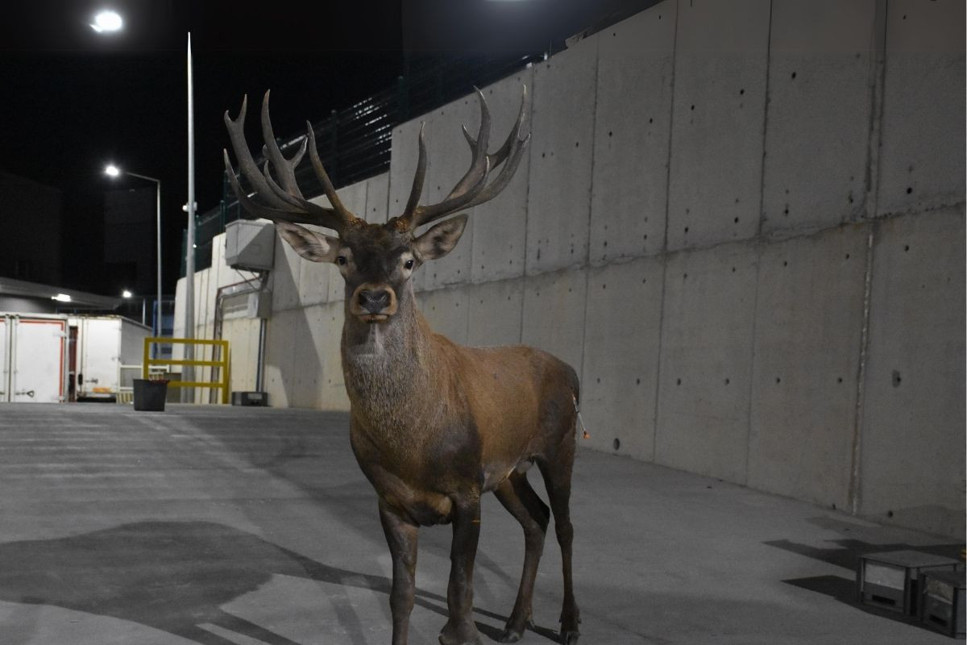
(434, 425)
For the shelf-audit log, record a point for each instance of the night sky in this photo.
(74, 100)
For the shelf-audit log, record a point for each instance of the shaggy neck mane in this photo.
(386, 366)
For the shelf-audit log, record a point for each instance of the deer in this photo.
(433, 424)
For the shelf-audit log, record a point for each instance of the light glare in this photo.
(106, 22)
(61, 297)
(112, 171)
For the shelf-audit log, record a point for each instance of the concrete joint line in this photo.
(877, 81)
(857, 443)
(590, 205)
(765, 128)
(663, 253)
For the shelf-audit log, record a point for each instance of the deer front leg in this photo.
(401, 535)
(460, 628)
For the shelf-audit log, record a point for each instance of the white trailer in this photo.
(109, 353)
(33, 358)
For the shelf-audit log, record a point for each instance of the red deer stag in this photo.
(433, 424)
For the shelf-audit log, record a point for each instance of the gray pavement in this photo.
(221, 525)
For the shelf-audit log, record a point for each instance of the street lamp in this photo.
(127, 294)
(107, 22)
(114, 171)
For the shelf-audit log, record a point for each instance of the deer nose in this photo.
(374, 301)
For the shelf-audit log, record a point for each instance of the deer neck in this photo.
(388, 367)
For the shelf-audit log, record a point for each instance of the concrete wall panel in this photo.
(447, 311)
(717, 122)
(280, 368)
(818, 122)
(620, 379)
(333, 389)
(922, 145)
(377, 198)
(559, 202)
(913, 420)
(634, 92)
(496, 313)
(304, 333)
(285, 276)
(242, 335)
(808, 331)
(554, 315)
(500, 226)
(337, 286)
(706, 364)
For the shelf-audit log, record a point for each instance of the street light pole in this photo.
(114, 171)
(188, 394)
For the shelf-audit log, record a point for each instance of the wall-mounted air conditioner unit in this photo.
(250, 245)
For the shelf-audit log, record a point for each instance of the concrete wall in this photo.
(742, 223)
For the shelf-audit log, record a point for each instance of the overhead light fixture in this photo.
(112, 171)
(107, 21)
(61, 297)
(126, 294)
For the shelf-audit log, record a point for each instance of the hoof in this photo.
(509, 636)
(460, 635)
(512, 634)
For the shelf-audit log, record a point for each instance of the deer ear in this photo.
(312, 246)
(441, 238)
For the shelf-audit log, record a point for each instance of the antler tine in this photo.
(270, 149)
(236, 132)
(418, 177)
(285, 203)
(509, 154)
(323, 176)
(274, 213)
(473, 188)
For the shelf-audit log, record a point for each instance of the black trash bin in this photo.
(150, 395)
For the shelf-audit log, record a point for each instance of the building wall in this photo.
(742, 223)
(25, 208)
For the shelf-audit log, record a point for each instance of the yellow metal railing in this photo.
(222, 363)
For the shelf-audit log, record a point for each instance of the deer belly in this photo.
(423, 507)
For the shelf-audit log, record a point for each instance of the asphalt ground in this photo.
(230, 525)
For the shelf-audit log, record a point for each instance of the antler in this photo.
(271, 200)
(473, 188)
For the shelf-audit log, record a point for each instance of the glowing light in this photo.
(107, 22)
(112, 171)
(126, 294)
(61, 297)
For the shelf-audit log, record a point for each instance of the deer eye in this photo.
(408, 264)
(341, 260)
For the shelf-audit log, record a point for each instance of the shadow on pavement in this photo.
(846, 554)
(176, 576)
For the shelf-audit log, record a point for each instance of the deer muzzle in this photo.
(373, 303)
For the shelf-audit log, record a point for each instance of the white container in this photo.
(109, 354)
(33, 358)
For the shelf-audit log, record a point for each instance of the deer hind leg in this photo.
(557, 478)
(517, 496)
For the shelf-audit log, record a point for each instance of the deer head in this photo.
(376, 260)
